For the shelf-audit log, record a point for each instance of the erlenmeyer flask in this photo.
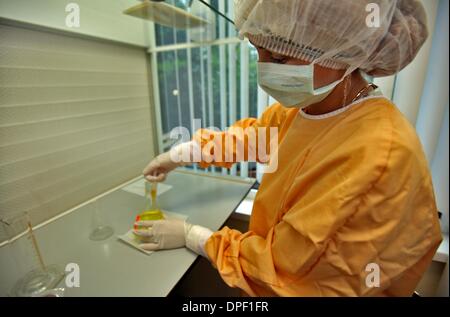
(151, 209)
(36, 278)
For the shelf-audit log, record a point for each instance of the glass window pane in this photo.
(168, 87)
(165, 36)
(208, 72)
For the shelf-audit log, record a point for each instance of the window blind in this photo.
(75, 119)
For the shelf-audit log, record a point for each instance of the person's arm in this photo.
(222, 149)
(243, 140)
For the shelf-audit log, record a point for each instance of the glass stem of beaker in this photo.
(36, 247)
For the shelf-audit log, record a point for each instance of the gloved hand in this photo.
(162, 234)
(172, 233)
(158, 168)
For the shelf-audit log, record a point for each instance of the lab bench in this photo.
(113, 268)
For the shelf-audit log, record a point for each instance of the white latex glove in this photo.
(162, 234)
(172, 233)
(181, 155)
(158, 168)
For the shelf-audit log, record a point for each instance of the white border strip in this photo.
(165, 48)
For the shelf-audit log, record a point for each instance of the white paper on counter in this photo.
(138, 188)
(130, 239)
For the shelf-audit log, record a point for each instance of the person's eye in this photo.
(279, 60)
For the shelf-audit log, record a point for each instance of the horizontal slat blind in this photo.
(74, 119)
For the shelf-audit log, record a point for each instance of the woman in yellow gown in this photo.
(352, 193)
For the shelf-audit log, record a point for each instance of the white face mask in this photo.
(292, 85)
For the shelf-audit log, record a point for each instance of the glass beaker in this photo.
(100, 231)
(38, 278)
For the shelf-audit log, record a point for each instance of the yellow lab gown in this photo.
(351, 201)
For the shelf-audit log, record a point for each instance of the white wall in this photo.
(432, 119)
(410, 81)
(434, 101)
(99, 18)
(75, 119)
(440, 170)
(61, 72)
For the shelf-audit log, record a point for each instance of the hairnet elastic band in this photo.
(286, 48)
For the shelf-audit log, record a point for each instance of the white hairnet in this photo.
(335, 34)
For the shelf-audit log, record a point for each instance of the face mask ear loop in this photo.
(313, 63)
(347, 79)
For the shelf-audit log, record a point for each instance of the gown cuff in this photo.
(196, 238)
(186, 153)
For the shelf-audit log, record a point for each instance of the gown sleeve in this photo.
(242, 140)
